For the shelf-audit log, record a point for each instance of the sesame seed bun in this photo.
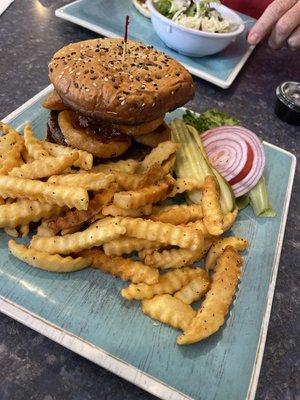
(91, 79)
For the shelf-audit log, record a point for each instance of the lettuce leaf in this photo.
(208, 120)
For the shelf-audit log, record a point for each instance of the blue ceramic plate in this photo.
(84, 311)
(107, 18)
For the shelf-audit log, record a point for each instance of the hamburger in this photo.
(107, 102)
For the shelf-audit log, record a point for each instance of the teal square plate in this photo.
(107, 17)
(84, 311)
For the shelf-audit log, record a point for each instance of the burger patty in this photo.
(54, 133)
(136, 151)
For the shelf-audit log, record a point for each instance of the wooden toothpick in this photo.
(125, 38)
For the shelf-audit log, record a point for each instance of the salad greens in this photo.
(208, 120)
(195, 14)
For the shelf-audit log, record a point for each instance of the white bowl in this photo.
(192, 42)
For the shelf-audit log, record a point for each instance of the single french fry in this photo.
(194, 290)
(238, 243)
(44, 231)
(167, 284)
(125, 212)
(24, 230)
(141, 197)
(169, 310)
(199, 225)
(72, 229)
(8, 140)
(11, 232)
(46, 261)
(33, 145)
(25, 211)
(11, 186)
(228, 219)
(128, 166)
(159, 154)
(164, 233)
(95, 235)
(12, 159)
(85, 180)
(176, 214)
(182, 185)
(84, 161)
(169, 164)
(128, 181)
(126, 245)
(211, 316)
(44, 167)
(213, 217)
(145, 252)
(77, 217)
(124, 268)
(176, 258)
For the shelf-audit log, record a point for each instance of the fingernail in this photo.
(253, 38)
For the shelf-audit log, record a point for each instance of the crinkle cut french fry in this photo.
(228, 219)
(176, 258)
(33, 145)
(124, 268)
(194, 290)
(126, 245)
(141, 197)
(123, 212)
(8, 140)
(128, 166)
(213, 217)
(128, 181)
(75, 217)
(84, 161)
(11, 232)
(168, 165)
(182, 185)
(72, 229)
(167, 284)
(211, 316)
(86, 180)
(12, 159)
(44, 167)
(95, 235)
(238, 243)
(11, 186)
(46, 261)
(199, 225)
(25, 211)
(164, 233)
(169, 310)
(159, 154)
(145, 252)
(176, 214)
(24, 230)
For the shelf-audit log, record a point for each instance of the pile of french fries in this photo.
(86, 215)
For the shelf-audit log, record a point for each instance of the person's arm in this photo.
(281, 22)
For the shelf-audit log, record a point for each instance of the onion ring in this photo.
(237, 154)
(142, 129)
(161, 134)
(80, 139)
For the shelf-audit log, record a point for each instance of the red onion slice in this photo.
(227, 149)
